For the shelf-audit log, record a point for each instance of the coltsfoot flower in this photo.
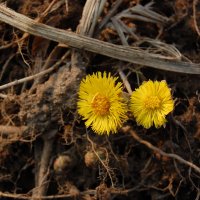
(151, 102)
(101, 104)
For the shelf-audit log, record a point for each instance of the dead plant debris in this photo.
(46, 152)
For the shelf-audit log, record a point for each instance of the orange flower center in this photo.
(152, 102)
(100, 104)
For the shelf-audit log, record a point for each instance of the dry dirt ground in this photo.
(45, 150)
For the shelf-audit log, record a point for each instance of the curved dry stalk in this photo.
(156, 149)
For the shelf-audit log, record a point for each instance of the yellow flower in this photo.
(101, 104)
(151, 102)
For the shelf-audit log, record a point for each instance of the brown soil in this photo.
(45, 149)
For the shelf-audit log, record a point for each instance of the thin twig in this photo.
(4, 67)
(152, 147)
(24, 196)
(110, 14)
(103, 164)
(47, 64)
(12, 129)
(29, 78)
(3, 96)
(129, 54)
(125, 81)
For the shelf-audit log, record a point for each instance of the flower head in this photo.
(151, 102)
(101, 104)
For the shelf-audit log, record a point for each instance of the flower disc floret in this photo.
(100, 103)
(151, 102)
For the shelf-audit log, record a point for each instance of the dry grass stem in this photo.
(128, 54)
